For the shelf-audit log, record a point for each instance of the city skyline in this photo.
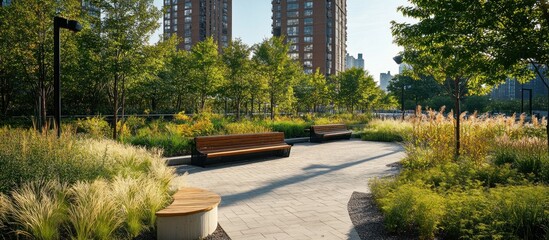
(368, 30)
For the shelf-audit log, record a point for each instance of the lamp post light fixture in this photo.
(59, 22)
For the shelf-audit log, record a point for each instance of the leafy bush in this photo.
(171, 145)
(244, 127)
(95, 127)
(291, 128)
(496, 189)
(412, 208)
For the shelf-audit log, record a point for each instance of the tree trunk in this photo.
(272, 107)
(178, 103)
(115, 103)
(457, 94)
(238, 103)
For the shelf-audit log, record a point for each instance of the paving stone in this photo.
(301, 197)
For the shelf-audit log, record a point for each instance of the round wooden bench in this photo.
(192, 215)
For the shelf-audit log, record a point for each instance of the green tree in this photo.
(312, 91)
(446, 43)
(517, 33)
(206, 70)
(356, 88)
(239, 73)
(27, 50)
(418, 91)
(126, 27)
(152, 90)
(281, 72)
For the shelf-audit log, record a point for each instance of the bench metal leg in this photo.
(285, 152)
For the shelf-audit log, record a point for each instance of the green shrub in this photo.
(171, 145)
(244, 127)
(95, 127)
(516, 212)
(291, 129)
(412, 208)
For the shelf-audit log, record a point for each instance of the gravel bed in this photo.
(367, 218)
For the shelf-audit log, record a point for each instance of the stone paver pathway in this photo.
(301, 197)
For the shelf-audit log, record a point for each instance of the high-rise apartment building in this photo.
(316, 30)
(384, 79)
(195, 20)
(352, 62)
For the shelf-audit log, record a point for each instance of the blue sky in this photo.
(368, 29)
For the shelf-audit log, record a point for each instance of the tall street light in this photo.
(59, 22)
(398, 60)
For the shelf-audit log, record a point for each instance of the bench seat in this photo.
(239, 144)
(320, 133)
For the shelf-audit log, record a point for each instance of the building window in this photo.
(188, 5)
(308, 55)
(308, 39)
(175, 7)
(308, 21)
(308, 64)
(292, 22)
(293, 14)
(308, 48)
(188, 40)
(308, 70)
(188, 12)
(188, 47)
(174, 15)
(292, 31)
(308, 30)
(188, 19)
(309, 4)
(292, 6)
(294, 48)
(293, 40)
(308, 12)
(294, 56)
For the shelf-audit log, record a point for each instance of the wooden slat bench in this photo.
(240, 144)
(320, 133)
(192, 215)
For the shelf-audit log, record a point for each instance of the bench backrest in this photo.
(238, 140)
(328, 128)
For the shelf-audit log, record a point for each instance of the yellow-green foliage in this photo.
(387, 131)
(4, 203)
(413, 207)
(38, 209)
(244, 127)
(94, 212)
(496, 189)
(95, 127)
(96, 189)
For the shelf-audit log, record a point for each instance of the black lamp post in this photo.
(529, 90)
(398, 60)
(59, 22)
